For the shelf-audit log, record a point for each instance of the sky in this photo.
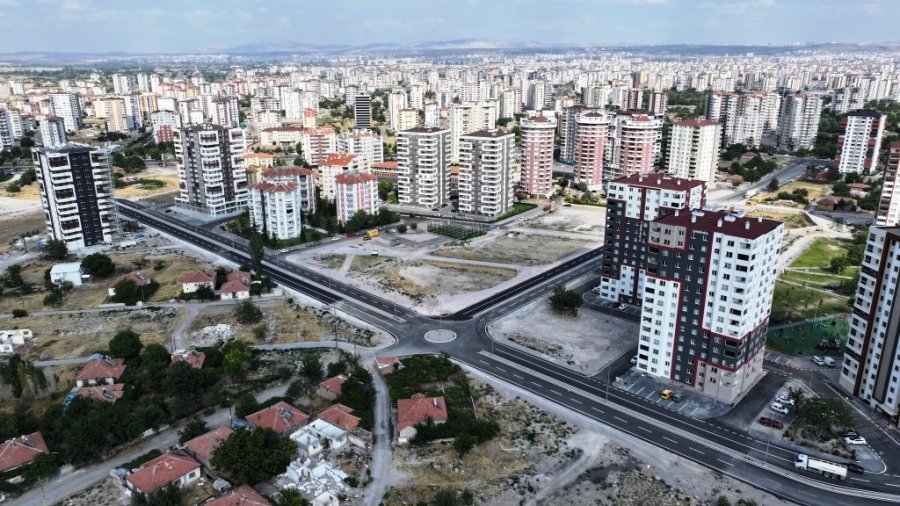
(165, 26)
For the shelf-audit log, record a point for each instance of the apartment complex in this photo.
(746, 118)
(365, 144)
(872, 356)
(276, 209)
(67, 107)
(888, 213)
(694, 150)
(362, 110)
(355, 191)
(486, 161)
(633, 202)
(538, 135)
(635, 145)
(211, 175)
(303, 177)
(798, 121)
(567, 130)
(7, 134)
(53, 132)
(706, 300)
(858, 147)
(329, 168)
(591, 132)
(423, 167)
(76, 188)
(470, 117)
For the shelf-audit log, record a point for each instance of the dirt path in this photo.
(556, 482)
(345, 267)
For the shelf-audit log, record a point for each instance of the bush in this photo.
(19, 313)
(247, 313)
(565, 301)
(401, 228)
(98, 265)
(259, 331)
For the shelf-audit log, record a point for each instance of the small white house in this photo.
(70, 271)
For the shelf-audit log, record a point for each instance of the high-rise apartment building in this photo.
(362, 109)
(486, 161)
(134, 116)
(164, 124)
(567, 129)
(746, 118)
(225, 112)
(798, 121)
(116, 120)
(423, 167)
(7, 134)
(53, 132)
(659, 101)
(365, 144)
(872, 356)
(396, 102)
(888, 212)
(859, 146)
(638, 140)
(354, 192)
(470, 117)
(275, 209)
(844, 100)
(211, 174)
(694, 150)
(76, 187)
(303, 177)
(536, 164)
(591, 131)
(317, 143)
(67, 107)
(633, 202)
(706, 300)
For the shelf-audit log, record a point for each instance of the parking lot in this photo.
(594, 302)
(693, 404)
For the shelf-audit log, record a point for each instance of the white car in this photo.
(779, 408)
(818, 360)
(784, 399)
(634, 360)
(854, 440)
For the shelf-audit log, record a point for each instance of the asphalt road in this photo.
(710, 443)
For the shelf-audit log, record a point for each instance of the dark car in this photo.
(771, 422)
(855, 468)
(850, 433)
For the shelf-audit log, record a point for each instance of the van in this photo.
(830, 362)
(666, 394)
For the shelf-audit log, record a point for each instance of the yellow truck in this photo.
(371, 234)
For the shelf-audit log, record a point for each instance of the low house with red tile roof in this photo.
(331, 387)
(237, 286)
(136, 277)
(168, 468)
(340, 416)
(106, 393)
(193, 280)
(193, 357)
(387, 365)
(100, 369)
(241, 496)
(242, 276)
(416, 410)
(203, 446)
(280, 417)
(21, 450)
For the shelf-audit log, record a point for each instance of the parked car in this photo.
(817, 360)
(771, 422)
(784, 399)
(850, 433)
(634, 360)
(779, 408)
(854, 440)
(855, 468)
(666, 395)
(620, 306)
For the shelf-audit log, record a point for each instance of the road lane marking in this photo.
(670, 440)
(517, 376)
(500, 369)
(620, 419)
(575, 400)
(535, 384)
(726, 463)
(696, 450)
(556, 392)
(645, 429)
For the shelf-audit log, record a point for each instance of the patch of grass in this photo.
(517, 208)
(458, 232)
(792, 303)
(820, 253)
(804, 339)
(419, 372)
(791, 221)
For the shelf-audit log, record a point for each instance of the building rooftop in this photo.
(494, 133)
(659, 181)
(197, 277)
(204, 445)
(21, 450)
(424, 130)
(274, 187)
(334, 384)
(696, 122)
(102, 368)
(338, 159)
(278, 417)
(418, 409)
(721, 222)
(193, 357)
(244, 495)
(161, 471)
(106, 393)
(287, 172)
(340, 416)
(866, 112)
(354, 177)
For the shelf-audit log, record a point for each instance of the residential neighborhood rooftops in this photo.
(136, 277)
(333, 384)
(106, 393)
(193, 357)
(242, 276)
(161, 471)
(338, 159)
(354, 177)
(418, 409)
(278, 417)
(234, 286)
(197, 277)
(274, 187)
(204, 445)
(276, 172)
(340, 415)
(21, 450)
(102, 368)
(241, 496)
(659, 181)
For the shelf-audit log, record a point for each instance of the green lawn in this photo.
(804, 339)
(792, 303)
(820, 253)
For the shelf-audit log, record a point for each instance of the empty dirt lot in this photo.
(515, 248)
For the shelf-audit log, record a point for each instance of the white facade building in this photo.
(858, 148)
(211, 173)
(67, 107)
(486, 161)
(423, 167)
(355, 192)
(694, 150)
(53, 132)
(275, 209)
(470, 117)
(798, 121)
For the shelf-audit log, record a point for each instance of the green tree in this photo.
(195, 427)
(290, 497)
(247, 313)
(253, 456)
(55, 249)
(12, 277)
(168, 496)
(126, 344)
(181, 379)
(840, 189)
(257, 252)
(401, 228)
(311, 367)
(773, 185)
(824, 415)
(98, 265)
(236, 354)
(259, 331)
(127, 292)
(565, 301)
(245, 405)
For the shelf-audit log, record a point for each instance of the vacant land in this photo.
(17, 219)
(807, 289)
(815, 190)
(515, 248)
(170, 184)
(588, 220)
(791, 221)
(587, 341)
(333, 262)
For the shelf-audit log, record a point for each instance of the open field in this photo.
(515, 248)
(588, 220)
(18, 222)
(816, 191)
(804, 339)
(791, 221)
(136, 191)
(588, 341)
(807, 290)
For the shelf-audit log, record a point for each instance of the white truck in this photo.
(823, 467)
(751, 193)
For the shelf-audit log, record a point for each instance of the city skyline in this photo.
(172, 27)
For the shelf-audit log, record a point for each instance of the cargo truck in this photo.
(823, 467)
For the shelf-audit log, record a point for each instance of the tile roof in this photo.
(337, 159)
(204, 445)
(278, 417)
(334, 384)
(287, 172)
(242, 276)
(138, 279)
(106, 393)
(193, 357)
(161, 471)
(659, 181)
(197, 277)
(340, 416)
(274, 187)
(354, 177)
(696, 122)
(21, 450)
(721, 222)
(102, 368)
(234, 286)
(411, 412)
(241, 496)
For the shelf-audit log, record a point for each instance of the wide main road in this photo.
(707, 443)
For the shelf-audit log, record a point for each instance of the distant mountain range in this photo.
(275, 49)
